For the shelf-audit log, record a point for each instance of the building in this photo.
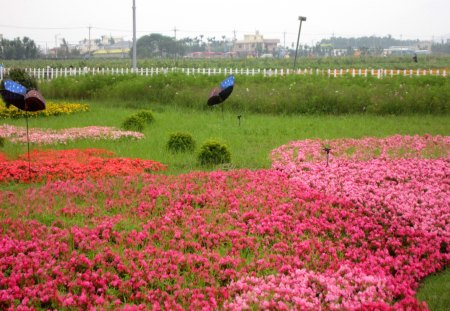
(106, 47)
(112, 53)
(407, 50)
(88, 46)
(255, 45)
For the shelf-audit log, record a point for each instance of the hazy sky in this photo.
(45, 20)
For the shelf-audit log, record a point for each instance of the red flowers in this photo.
(353, 235)
(73, 164)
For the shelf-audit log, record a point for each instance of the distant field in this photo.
(392, 62)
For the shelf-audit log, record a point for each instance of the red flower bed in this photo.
(2, 157)
(232, 240)
(359, 234)
(72, 164)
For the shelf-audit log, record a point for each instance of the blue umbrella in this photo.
(14, 94)
(17, 95)
(219, 94)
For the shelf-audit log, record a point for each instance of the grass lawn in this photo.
(435, 290)
(250, 140)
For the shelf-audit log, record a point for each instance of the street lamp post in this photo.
(301, 19)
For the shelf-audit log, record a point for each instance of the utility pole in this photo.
(301, 19)
(134, 36)
(89, 41)
(175, 38)
(284, 39)
(175, 32)
(56, 45)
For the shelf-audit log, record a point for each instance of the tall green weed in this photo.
(292, 94)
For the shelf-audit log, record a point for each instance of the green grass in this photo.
(282, 95)
(250, 142)
(435, 291)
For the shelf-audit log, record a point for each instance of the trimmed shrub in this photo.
(134, 123)
(146, 115)
(2, 141)
(180, 142)
(213, 152)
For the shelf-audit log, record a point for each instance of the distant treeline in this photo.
(372, 42)
(18, 49)
(160, 46)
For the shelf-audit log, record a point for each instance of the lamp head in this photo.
(302, 18)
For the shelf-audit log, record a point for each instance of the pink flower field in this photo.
(18, 134)
(358, 234)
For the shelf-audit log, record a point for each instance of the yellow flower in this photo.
(51, 109)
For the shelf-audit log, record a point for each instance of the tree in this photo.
(64, 48)
(18, 49)
(157, 45)
(441, 48)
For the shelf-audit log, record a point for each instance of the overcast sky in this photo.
(47, 20)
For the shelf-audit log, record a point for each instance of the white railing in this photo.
(52, 73)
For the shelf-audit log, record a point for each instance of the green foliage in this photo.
(146, 115)
(2, 141)
(157, 45)
(180, 142)
(24, 48)
(134, 123)
(213, 152)
(291, 94)
(21, 76)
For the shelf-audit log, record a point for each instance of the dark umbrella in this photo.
(16, 94)
(34, 101)
(219, 94)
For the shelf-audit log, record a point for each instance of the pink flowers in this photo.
(393, 147)
(353, 235)
(46, 136)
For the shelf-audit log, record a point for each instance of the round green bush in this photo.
(181, 142)
(146, 115)
(134, 123)
(213, 152)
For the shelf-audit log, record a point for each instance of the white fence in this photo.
(52, 73)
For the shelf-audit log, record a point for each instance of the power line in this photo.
(40, 28)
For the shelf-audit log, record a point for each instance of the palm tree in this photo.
(65, 47)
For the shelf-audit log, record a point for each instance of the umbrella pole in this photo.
(28, 145)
